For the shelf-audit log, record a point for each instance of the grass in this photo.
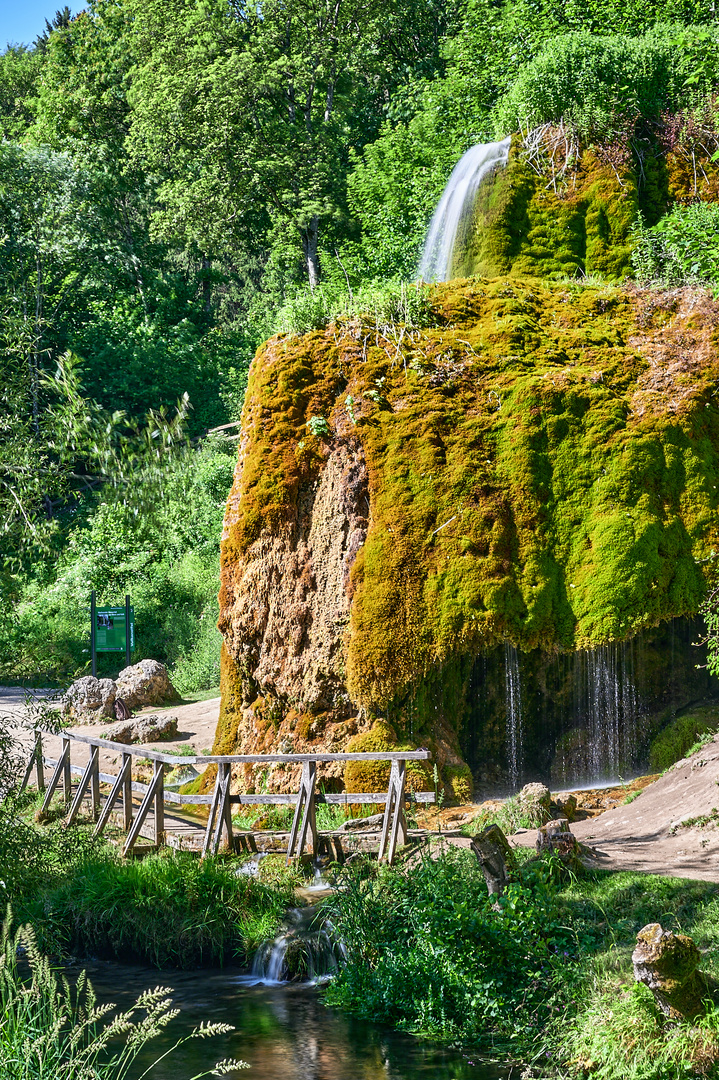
(169, 910)
(683, 736)
(329, 816)
(514, 814)
(50, 1030)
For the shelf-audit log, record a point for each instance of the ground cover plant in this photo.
(545, 975)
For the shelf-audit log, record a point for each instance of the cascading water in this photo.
(456, 204)
(306, 950)
(513, 690)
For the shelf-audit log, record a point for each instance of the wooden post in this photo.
(120, 785)
(395, 802)
(305, 813)
(127, 631)
(35, 762)
(61, 769)
(66, 774)
(93, 633)
(127, 792)
(159, 781)
(89, 777)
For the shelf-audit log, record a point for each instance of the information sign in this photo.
(110, 633)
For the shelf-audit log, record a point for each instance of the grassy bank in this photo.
(546, 978)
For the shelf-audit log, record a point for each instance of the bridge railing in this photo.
(219, 826)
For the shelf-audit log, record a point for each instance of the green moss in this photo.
(459, 781)
(526, 224)
(681, 737)
(374, 775)
(533, 478)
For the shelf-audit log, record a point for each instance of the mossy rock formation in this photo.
(538, 465)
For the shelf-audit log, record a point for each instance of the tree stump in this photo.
(495, 857)
(667, 964)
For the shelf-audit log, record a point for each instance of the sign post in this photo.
(93, 644)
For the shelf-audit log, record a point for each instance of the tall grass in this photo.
(169, 910)
(50, 1030)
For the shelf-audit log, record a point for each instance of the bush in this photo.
(427, 951)
(682, 249)
(601, 84)
(382, 304)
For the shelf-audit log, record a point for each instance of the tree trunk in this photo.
(310, 235)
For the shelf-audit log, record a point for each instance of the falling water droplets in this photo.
(513, 692)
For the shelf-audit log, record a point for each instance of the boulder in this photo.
(667, 963)
(89, 700)
(142, 729)
(536, 799)
(146, 683)
(566, 805)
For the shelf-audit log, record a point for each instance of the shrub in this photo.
(682, 249)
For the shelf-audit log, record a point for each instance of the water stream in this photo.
(513, 690)
(456, 205)
(284, 1031)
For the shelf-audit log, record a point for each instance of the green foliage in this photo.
(682, 249)
(600, 85)
(682, 737)
(170, 909)
(384, 305)
(50, 1030)
(514, 814)
(428, 952)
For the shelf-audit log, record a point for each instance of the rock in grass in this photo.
(146, 683)
(535, 800)
(667, 963)
(89, 700)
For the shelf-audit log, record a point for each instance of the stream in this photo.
(284, 1031)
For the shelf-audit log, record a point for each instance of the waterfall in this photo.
(306, 950)
(456, 203)
(513, 693)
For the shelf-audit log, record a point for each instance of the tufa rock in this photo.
(146, 683)
(667, 964)
(89, 700)
(566, 805)
(143, 729)
(536, 797)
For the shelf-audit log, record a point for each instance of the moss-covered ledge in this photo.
(539, 465)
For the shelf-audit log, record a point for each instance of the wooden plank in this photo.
(211, 759)
(158, 782)
(118, 788)
(305, 814)
(85, 780)
(141, 815)
(224, 813)
(126, 772)
(66, 775)
(55, 778)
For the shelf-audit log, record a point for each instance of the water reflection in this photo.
(285, 1033)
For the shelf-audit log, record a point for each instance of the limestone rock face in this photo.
(667, 964)
(89, 700)
(145, 683)
(143, 729)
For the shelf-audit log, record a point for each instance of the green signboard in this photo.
(110, 629)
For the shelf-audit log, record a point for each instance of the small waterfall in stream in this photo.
(455, 205)
(305, 951)
(513, 690)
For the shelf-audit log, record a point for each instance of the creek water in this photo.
(284, 1031)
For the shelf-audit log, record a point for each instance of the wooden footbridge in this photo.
(140, 809)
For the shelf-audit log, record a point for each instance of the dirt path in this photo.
(671, 828)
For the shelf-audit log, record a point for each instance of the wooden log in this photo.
(66, 775)
(495, 857)
(305, 816)
(36, 763)
(126, 771)
(223, 821)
